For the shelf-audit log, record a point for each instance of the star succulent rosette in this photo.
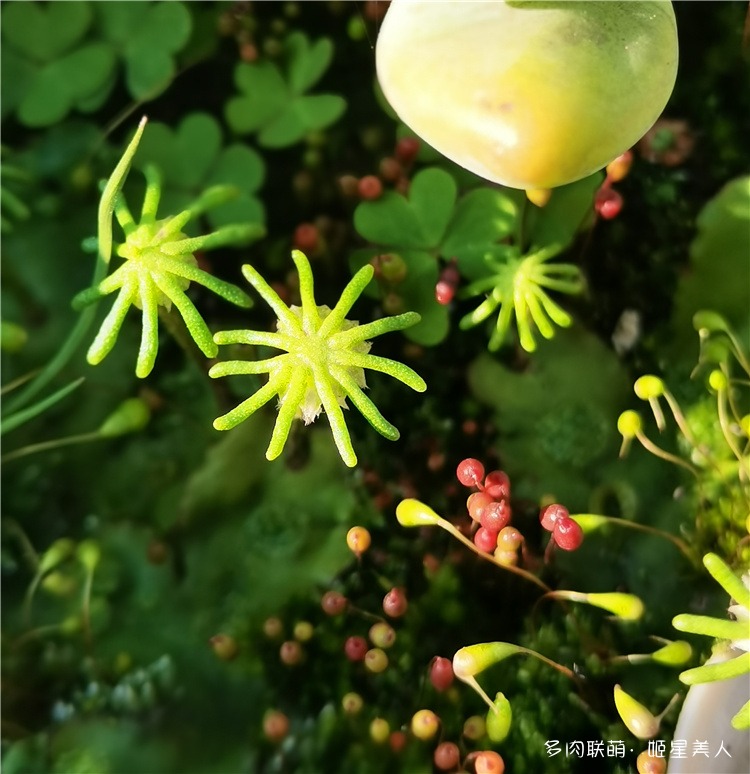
(519, 285)
(159, 264)
(324, 361)
(731, 656)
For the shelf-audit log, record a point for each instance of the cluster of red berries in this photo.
(392, 169)
(566, 533)
(608, 201)
(490, 509)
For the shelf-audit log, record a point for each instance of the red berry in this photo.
(397, 741)
(567, 534)
(476, 504)
(355, 648)
(441, 673)
(306, 237)
(495, 516)
(369, 187)
(447, 283)
(291, 653)
(407, 149)
(395, 603)
(444, 293)
(497, 485)
(446, 756)
(549, 515)
(275, 725)
(608, 202)
(470, 472)
(333, 603)
(485, 540)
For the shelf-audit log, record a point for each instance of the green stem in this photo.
(448, 527)
(23, 416)
(86, 317)
(35, 448)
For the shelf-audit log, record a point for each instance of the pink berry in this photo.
(497, 485)
(446, 756)
(495, 516)
(355, 648)
(476, 504)
(395, 603)
(608, 202)
(567, 534)
(444, 293)
(275, 725)
(470, 472)
(306, 237)
(485, 540)
(369, 187)
(441, 673)
(551, 514)
(333, 603)
(407, 149)
(291, 653)
(447, 283)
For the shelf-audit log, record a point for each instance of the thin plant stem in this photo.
(35, 448)
(448, 527)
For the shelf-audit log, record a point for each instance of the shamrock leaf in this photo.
(146, 36)
(191, 158)
(59, 57)
(274, 104)
(431, 223)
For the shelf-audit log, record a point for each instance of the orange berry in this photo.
(358, 539)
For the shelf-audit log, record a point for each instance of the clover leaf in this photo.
(722, 239)
(433, 222)
(191, 158)
(274, 104)
(146, 36)
(60, 57)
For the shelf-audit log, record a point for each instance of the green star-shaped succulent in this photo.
(159, 266)
(324, 361)
(519, 284)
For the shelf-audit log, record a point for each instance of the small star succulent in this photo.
(159, 265)
(518, 283)
(324, 361)
(734, 649)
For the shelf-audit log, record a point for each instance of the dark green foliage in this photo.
(64, 57)
(274, 103)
